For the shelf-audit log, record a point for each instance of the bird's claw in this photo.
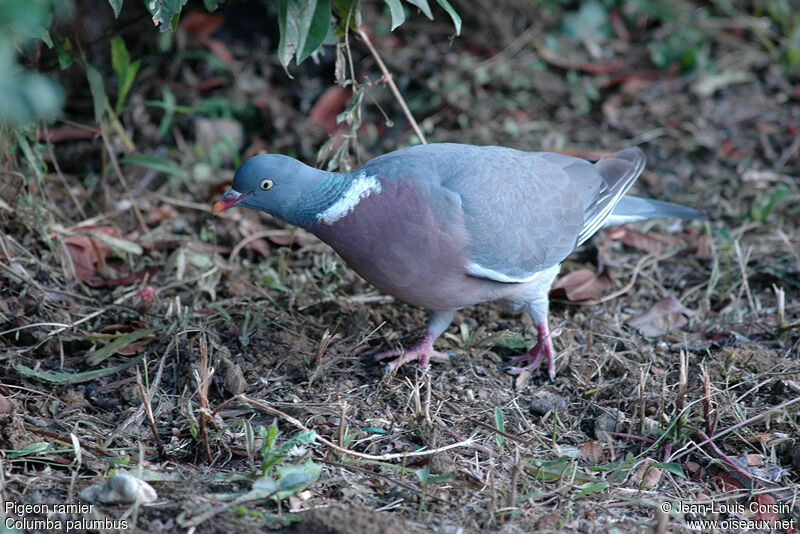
(422, 351)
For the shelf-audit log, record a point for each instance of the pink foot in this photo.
(422, 351)
(543, 347)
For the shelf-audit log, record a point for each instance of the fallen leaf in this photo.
(646, 476)
(125, 280)
(582, 284)
(725, 482)
(328, 106)
(668, 313)
(161, 213)
(755, 460)
(766, 508)
(201, 25)
(5, 405)
(592, 452)
(649, 242)
(86, 251)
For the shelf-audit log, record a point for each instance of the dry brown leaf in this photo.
(755, 460)
(87, 252)
(646, 476)
(161, 213)
(592, 452)
(201, 25)
(649, 242)
(5, 405)
(668, 313)
(328, 106)
(582, 284)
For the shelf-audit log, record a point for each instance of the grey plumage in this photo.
(446, 226)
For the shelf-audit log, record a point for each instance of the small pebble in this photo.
(544, 401)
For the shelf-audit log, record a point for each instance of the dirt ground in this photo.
(160, 339)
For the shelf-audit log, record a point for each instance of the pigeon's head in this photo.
(272, 183)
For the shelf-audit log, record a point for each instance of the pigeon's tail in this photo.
(631, 209)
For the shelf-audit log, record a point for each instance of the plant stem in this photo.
(389, 80)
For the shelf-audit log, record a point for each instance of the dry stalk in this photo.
(118, 170)
(203, 381)
(390, 81)
(382, 457)
(149, 412)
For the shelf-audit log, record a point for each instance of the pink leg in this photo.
(544, 346)
(422, 351)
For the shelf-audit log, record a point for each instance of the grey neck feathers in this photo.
(320, 197)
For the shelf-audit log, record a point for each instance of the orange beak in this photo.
(230, 199)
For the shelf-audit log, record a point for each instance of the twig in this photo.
(389, 80)
(742, 261)
(94, 314)
(100, 451)
(737, 426)
(60, 175)
(115, 163)
(382, 457)
(644, 262)
(149, 412)
(203, 379)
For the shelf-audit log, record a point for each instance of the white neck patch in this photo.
(362, 187)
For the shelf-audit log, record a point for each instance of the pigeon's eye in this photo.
(267, 184)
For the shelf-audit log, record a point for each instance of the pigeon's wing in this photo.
(618, 174)
(523, 211)
(527, 211)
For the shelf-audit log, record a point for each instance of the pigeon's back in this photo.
(523, 211)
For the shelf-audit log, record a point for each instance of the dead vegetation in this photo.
(140, 336)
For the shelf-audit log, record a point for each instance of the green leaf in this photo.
(152, 162)
(293, 478)
(33, 448)
(673, 467)
(453, 14)
(71, 378)
(115, 243)
(76, 447)
(119, 344)
(264, 486)
(590, 22)
(305, 437)
(592, 488)
(123, 68)
(98, 91)
(165, 12)
(499, 424)
(116, 5)
(397, 12)
(303, 27)
(63, 53)
(211, 5)
(26, 96)
(423, 6)
(45, 36)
